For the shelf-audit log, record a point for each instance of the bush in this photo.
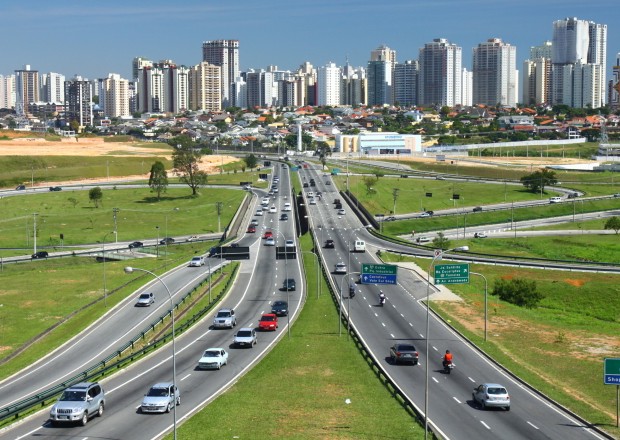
(518, 291)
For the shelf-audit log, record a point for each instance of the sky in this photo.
(93, 39)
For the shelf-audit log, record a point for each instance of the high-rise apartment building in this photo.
(537, 75)
(205, 84)
(440, 77)
(614, 86)
(239, 93)
(578, 63)
(52, 87)
(78, 101)
(494, 73)
(328, 85)
(306, 76)
(261, 88)
(7, 91)
(353, 86)
(26, 89)
(406, 83)
(137, 64)
(223, 53)
(163, 88)
(379, 75)
(114, 96)
(467, 84)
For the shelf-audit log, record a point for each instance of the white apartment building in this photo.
(205, 85)
(223, 53)
(495, 73)
(7, 91)
(467, 83)
(114, 96)
(536, 85)
(163, 88)
(52, 87)
(614, 85)
(328, 85)
(440, 77)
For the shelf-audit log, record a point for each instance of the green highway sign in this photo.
(612, 371)
(452, 273)
(379, 269)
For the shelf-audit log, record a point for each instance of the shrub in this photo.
(518, 291)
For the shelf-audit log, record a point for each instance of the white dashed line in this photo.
(457, 400)
(471, 379)
(532, 425)
(383, 324)
(434, 348)
(185, 377)
(391, 336)
(435, 380)
(485, 425)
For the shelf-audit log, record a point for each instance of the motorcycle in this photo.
(381, 300)
(352, 292)
(448, 366)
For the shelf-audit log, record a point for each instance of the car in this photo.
(338, 206)
(160, 398)
(289, 243)
(287, 207)
(617, 195)
(268, 234)
(440, 178)
(555, 199)
(430, 212)
(191, 238)
(39, 255)
(251, 229)
(341, 212)
(279, 308)
(55, 188)
(422, 239)
(213, 359)
(404, 353)
(389, 219)
(572, 195)
(305, 185)
(311, 201)
(271, 193)
(272, 210)
(310, 194)
(312, 183)
(225, 318)
(480, 235)
(197, 262)
(284, 217)
(424, 215)
(289, 284)
(78, 403)
(265, 201)
(166, 240)
(491, 395)
(477, 209)
(20, 187)
(329, 244)
(269, 321)
(136, 244)
(275, 190)
(254, 222)
(270, 241)
(259, 212)
(337, 202)
(245, 337)
(145, 299)
(328, 182)
(340, 268)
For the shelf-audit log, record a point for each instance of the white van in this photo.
(287, 207)
(265, 201)
(359, 246)
(555, 200)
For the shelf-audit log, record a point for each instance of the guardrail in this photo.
(102, 367)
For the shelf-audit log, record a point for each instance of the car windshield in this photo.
(279, 304)
(244, 334)
(73, 396)
(158, 392)
(405, 348)
(496, 390)
(223, 314)
(211, 354)
(267, 318)
(144, 296)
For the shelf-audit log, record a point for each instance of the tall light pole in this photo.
(288, 295)
(114, 212)
(105, 289)
(34, 232)
(438, 254)
(485, 302)
(157, 243)
(129, 270)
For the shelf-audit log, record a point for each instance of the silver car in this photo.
(160, 398)
(78, 404)
(225, 318)
(245, 337)
(491, 395)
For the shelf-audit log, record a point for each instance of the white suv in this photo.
(197, 262)
(78, 404)
(225, 318)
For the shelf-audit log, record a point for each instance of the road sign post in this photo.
(452, 273)
(611, 376)
(378, 274)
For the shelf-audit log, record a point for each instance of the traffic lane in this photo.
(122, 323)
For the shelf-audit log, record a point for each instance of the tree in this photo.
(251, 161)
(537, 181)
(185, 162)
(613, 223)
(369, 182)
(158, 180)
(73, 201)
(518, 291)
(441, 242)
(95, 195)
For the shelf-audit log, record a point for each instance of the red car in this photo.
(251, 229)
(268, 234)
(268, 321)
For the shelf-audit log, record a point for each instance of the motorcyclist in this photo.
(447, 359)
(381, 297)
(351, 291)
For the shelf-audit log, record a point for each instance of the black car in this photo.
(477, 209)
(430, 212)
(167, 240)
(284, 216)
(279, 308)
(329, 244)
(389, 219)
(305, 184)
(289, 284)
(40, 254)
(20, 187)
(55, 188)
(136, 244)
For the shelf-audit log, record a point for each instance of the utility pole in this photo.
(218, 207)
(34, 232)
(395, 192)
(114, 212)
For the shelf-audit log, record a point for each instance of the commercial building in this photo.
(373, 144)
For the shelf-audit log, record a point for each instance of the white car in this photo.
(289, 243)
(145, 299)
(424, 215)
(197, 262)
(287, 207)
(245, 337)
(213, 359)
(340, 268)
(265, 201)
(259, 211)
(341, 212)
(270, 241)
(312, 201)
(160, 398)
(272, 210)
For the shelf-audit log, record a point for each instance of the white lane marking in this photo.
(485, 425)
(436, 381)
(185, 377)
(434, 348)
(421, 335)
(383, 324)
(532, 425)
(471, 379)
(391, 336)
(402, 315)
(457, 400)
(376, 315)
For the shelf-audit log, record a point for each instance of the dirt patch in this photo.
(575, 283)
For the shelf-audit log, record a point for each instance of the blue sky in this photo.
(93, 39)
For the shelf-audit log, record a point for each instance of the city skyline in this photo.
(95, 40)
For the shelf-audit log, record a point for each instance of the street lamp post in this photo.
(288, 295)
(157, 243)
(129, 270)
(105, 289)
(34, 232)
(438, 254)
(485, 302)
